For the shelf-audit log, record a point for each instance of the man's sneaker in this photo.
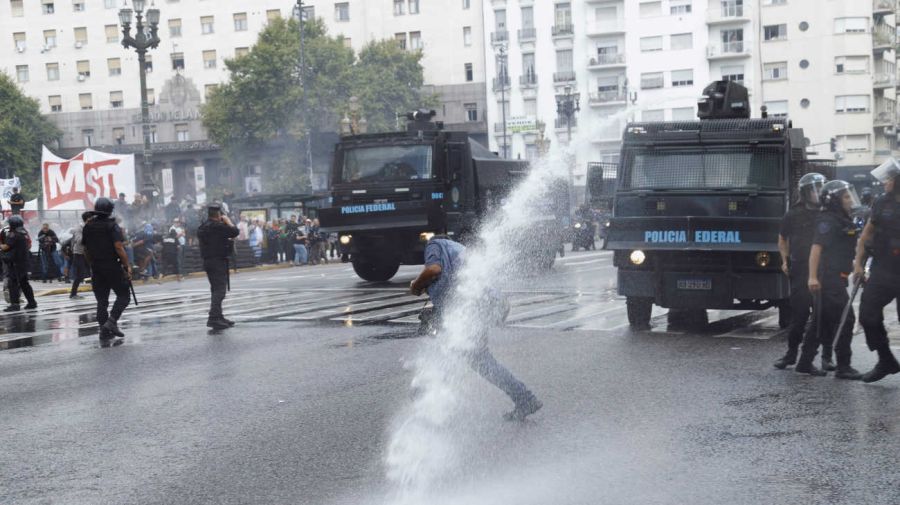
(12, 308)
(786, 361)
(113, 328)
(847, 373)
(810, 369)
(524, 409)
(218, 324)
(882, 369)
(828, 365)
(31, 306)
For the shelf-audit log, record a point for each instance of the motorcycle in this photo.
(584, 236)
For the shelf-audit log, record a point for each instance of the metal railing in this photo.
(527, 34)
(728, 49)
(527, 80)
(885, 111)
(563, 29)
(564, 76)
(500, 36)
(883, 35)
(884, 79)
(883, 5)
(607, 59)
(601, 97)
(501, 83)
(726, 12)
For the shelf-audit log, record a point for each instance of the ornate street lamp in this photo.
(299, 16)
(146, 37)
(567, 104)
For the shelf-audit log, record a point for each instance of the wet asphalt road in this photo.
(283, 409)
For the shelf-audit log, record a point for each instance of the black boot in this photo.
(787, 360)
(886, 365)
(524, 408)
(807, 367)
(847, 372)
(31, 305)
(112, 327)
(218, 323)
(229, 322)
(828, 364)
(13, 308)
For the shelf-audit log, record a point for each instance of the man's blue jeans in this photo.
(301, 255)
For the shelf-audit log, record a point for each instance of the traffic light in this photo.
(833, 144)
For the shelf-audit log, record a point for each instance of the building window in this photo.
(209, 59)
(415, 40)
(151, 96)
(87, 136)
(49, 39)
(777, 108)
(682, 78)
(115, 100)
(20, 41)
(732, 41)
(653, 115)
(853, 143)
(347, 42)
(851, 104)
(48, 7)
(84, 69)
(174, 28)
(651, 9)
(466, 4)
(467, 36)
(470, 73)
(273, 14)
(85, 101)
(681, 41)
(342, 11)
(119, 135)
(530, 107)
(649, 44)
(683, 114)
(652, 80)
(775, 71)
(401, 40)
(115, 66)
(153, 138)
(413, 6)
(110, 4)
(81, 37)
(399, 7)
(18, 10)
(240, 22)
(734, 73)
(471, 111)
(177, 61)
(775, 32)
(22, 73)
(209, 89)
(148, 63)
(851, 25)
(851, 65)
(55, 102)
(562, 16)
(112, 34)
(207, 25)
(53, 71)
(78, 6)
(182, 132)
(679, 7)
(241, 51)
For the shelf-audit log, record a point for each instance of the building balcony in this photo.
(883, 7)
(501, 83)
(527, 34)
(528, 80)
(562, 123)
(608, 28)
(885, 112)
(727, 13)
(883, 80)
(500, 37)
(728, 50)
(564, 76)
(883, 37)
(604, 98)
(602, 61)
(563, 30)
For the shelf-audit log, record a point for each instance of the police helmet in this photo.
(15, 222)
(810, 186)
(886, 171)
(833, 194)
(104, 206)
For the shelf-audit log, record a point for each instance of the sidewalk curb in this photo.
(87, 288)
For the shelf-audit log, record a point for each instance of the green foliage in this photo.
(22, 132)
(264, 107)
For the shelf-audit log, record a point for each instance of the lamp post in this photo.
(141, 42)
(354, 123)
(298, 15)
(503, 77)
(567, 104)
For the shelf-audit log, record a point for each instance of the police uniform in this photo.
(99, 237)
(215, 239)
(16, 262)
(836, 233)
(798, 227)
(884, 282)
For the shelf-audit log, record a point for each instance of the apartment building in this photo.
(649, 60)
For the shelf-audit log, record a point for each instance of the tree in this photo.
(23, 130)
(264, 113)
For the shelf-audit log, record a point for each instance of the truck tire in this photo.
(375, 271)
(639, 310)
(784, 314)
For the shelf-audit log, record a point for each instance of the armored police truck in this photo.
(697, 209)
(392, 192)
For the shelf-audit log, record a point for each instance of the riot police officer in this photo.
(16, 247)
(104, 249)
(882, 236)
(794, 242)
(215, 236)
(830, 265)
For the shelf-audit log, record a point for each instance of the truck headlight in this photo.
(637, 257)
(763, 259)
(345, 239)
(426, 236)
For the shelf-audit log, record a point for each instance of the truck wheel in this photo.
(784, 314)
(374, 271)
(639, 310)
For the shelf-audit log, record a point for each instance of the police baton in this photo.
(856, 284)
(131, 288)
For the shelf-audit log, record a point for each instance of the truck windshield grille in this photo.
(387, 164)
(703, 169)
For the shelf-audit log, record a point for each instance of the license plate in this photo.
(695, 284)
